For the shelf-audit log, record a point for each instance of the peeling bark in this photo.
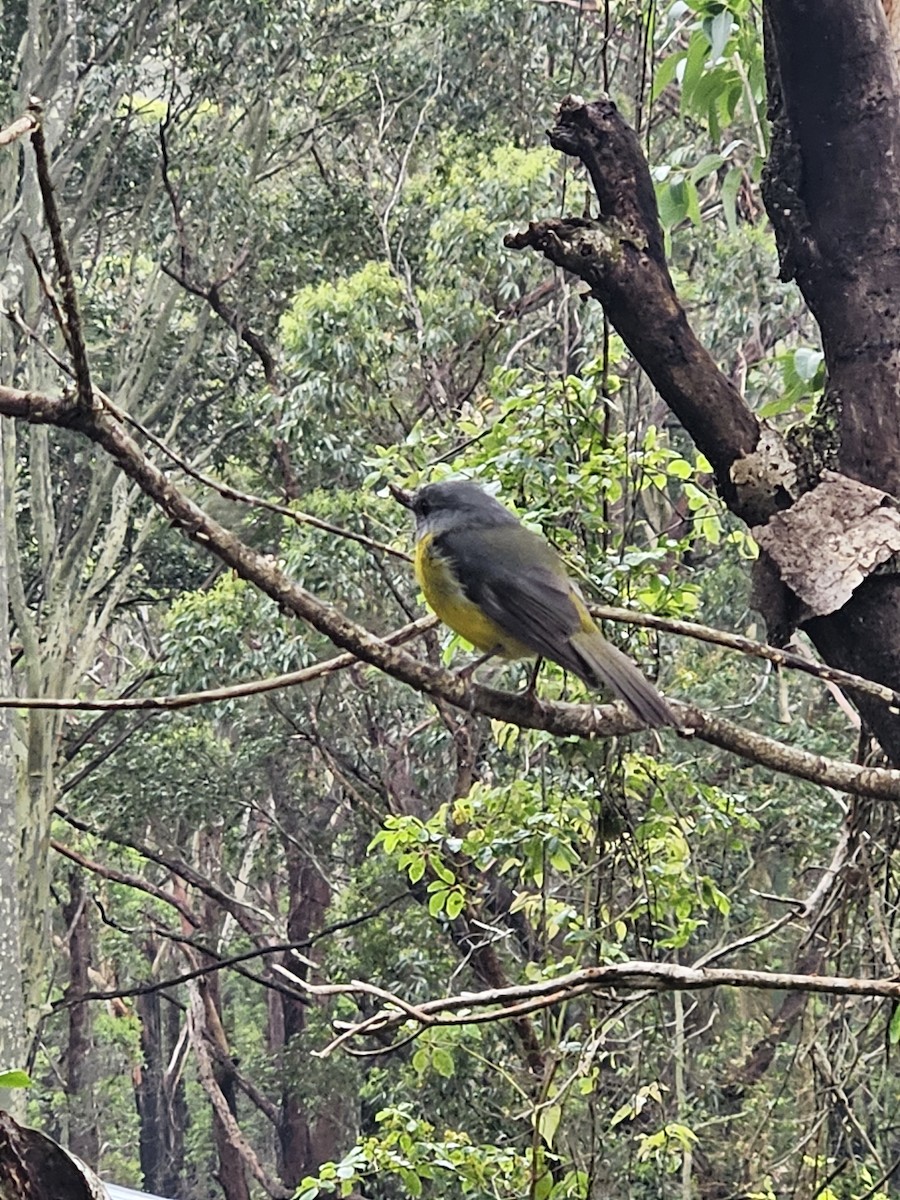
(831, 540)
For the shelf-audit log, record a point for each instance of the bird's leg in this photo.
(532, 678)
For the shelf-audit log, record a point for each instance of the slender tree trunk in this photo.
(13, 1046)
(84, 1139)
(231, 1174)
(159, 1097)
(304, 1143)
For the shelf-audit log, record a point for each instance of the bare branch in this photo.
(128, 880)
(211, 291)
(249, 917)
(504, 1003)
(621, 259)
(745, 645)
(72, 328)
(232, 493)
(253, 687)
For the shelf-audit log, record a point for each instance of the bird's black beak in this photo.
(401, 495)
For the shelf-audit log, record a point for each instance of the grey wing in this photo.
(537, 608)
(524, 594)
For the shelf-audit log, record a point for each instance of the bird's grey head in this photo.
(456, 504)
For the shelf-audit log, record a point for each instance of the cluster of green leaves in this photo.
(712, 50)
(406, 1148)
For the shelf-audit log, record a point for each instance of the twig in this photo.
(211, 292)
(232, 493)
(50, 297)
(127, 880)
(745, 645)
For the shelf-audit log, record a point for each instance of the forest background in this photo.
(281, 266)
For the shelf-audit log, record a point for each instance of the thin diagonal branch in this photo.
(72, 329)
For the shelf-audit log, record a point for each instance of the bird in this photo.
(506, 591)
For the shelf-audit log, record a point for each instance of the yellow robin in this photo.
(505, 590)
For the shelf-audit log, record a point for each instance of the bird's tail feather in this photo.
(604, 664)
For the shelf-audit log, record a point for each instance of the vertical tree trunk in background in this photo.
(159, 1095)
(232, 1174)
(13, 1046)
(83, 1138)
(304, 1144)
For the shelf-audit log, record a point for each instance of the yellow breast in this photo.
(446, 597)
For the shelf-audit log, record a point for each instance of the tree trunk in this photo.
(304, 1143)
(83, 1138)
(13, 1044)
(159, 1099)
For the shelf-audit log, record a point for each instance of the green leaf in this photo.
(455, 902)
(416, 870)
(443, 873)
(411, 1182)
(548, 1123)
(14, 1079)
(706, 166)
(665, 72)
(680, 468)
(693, 202)
(693, 69)
(442, 1060)
(543, 1185)
(894, 1028)
(672, 203)
(719, 31)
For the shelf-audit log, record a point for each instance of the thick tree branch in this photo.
(620, 257)
(104, 427)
